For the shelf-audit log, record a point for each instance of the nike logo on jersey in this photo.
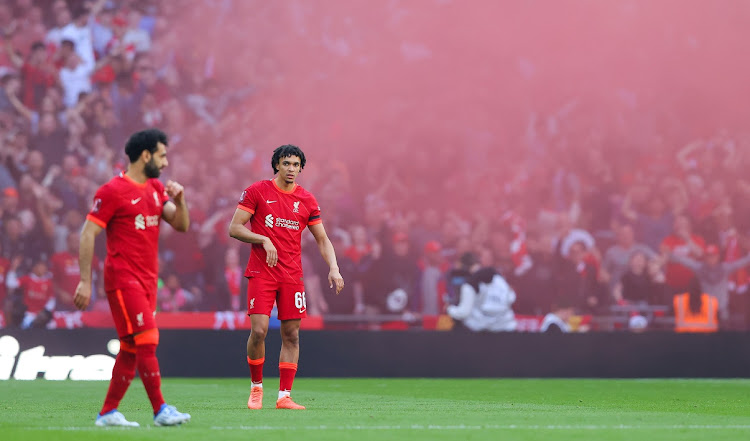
(135, 201)
(270, 202)
(301, 310)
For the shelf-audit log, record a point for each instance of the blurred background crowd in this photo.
(597, 171)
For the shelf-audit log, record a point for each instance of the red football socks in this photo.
(148, 367)
(122, 375)
(256, 369)
(287, 371)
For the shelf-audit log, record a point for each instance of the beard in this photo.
(151, 169)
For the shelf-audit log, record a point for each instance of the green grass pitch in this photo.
(392, 409)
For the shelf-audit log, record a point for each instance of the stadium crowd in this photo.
(576, 216)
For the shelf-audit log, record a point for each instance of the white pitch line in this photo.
(437, 427)
(496, 427)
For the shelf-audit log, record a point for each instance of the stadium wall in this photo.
(88, 354)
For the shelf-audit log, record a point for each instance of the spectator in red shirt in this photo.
(682, 242)
(36, 291)
(66, 273)
(38, 74)
(233, 276)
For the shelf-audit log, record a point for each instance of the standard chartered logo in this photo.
(141, 221)
(279, 222)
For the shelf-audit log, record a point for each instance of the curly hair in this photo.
(286, 151)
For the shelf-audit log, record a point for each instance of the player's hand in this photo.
(175, 191)
(334, 278)
(82, 296)
(272, 256)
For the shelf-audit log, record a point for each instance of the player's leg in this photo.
(148, 367)
(256, 357)
(292, 308)
(138, 306)
(261, 295)
(123, 371)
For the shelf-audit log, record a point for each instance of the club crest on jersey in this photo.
(296, 207)
(242, 196)
(156, 198)
(139, 319)
(252, 303)
(96, 206)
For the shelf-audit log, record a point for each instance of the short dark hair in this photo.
(37, 45)
(286, 151)
(67, 42)
(144, 140)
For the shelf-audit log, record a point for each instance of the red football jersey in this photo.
(281, 216)
(131, 213)
(67, 273)
(37, 291)
(678, 276)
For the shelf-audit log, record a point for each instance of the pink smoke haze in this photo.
(453, 98)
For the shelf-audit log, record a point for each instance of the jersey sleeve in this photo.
(249, 199)
(161, 191)
(314, 218)
(103, 208)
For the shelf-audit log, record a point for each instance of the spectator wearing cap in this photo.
(713, 274)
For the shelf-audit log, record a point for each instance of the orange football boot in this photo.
(287, 403)
(256, 398)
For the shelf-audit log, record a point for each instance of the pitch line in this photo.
(591, 427)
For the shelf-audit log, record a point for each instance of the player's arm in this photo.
(239, 231)
(176, 213)
(329, 254)
(82, 296)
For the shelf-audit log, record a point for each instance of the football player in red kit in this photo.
(278, 211)
(130, 207)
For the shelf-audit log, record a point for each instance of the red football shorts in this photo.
(133, 310)
(289, 298)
